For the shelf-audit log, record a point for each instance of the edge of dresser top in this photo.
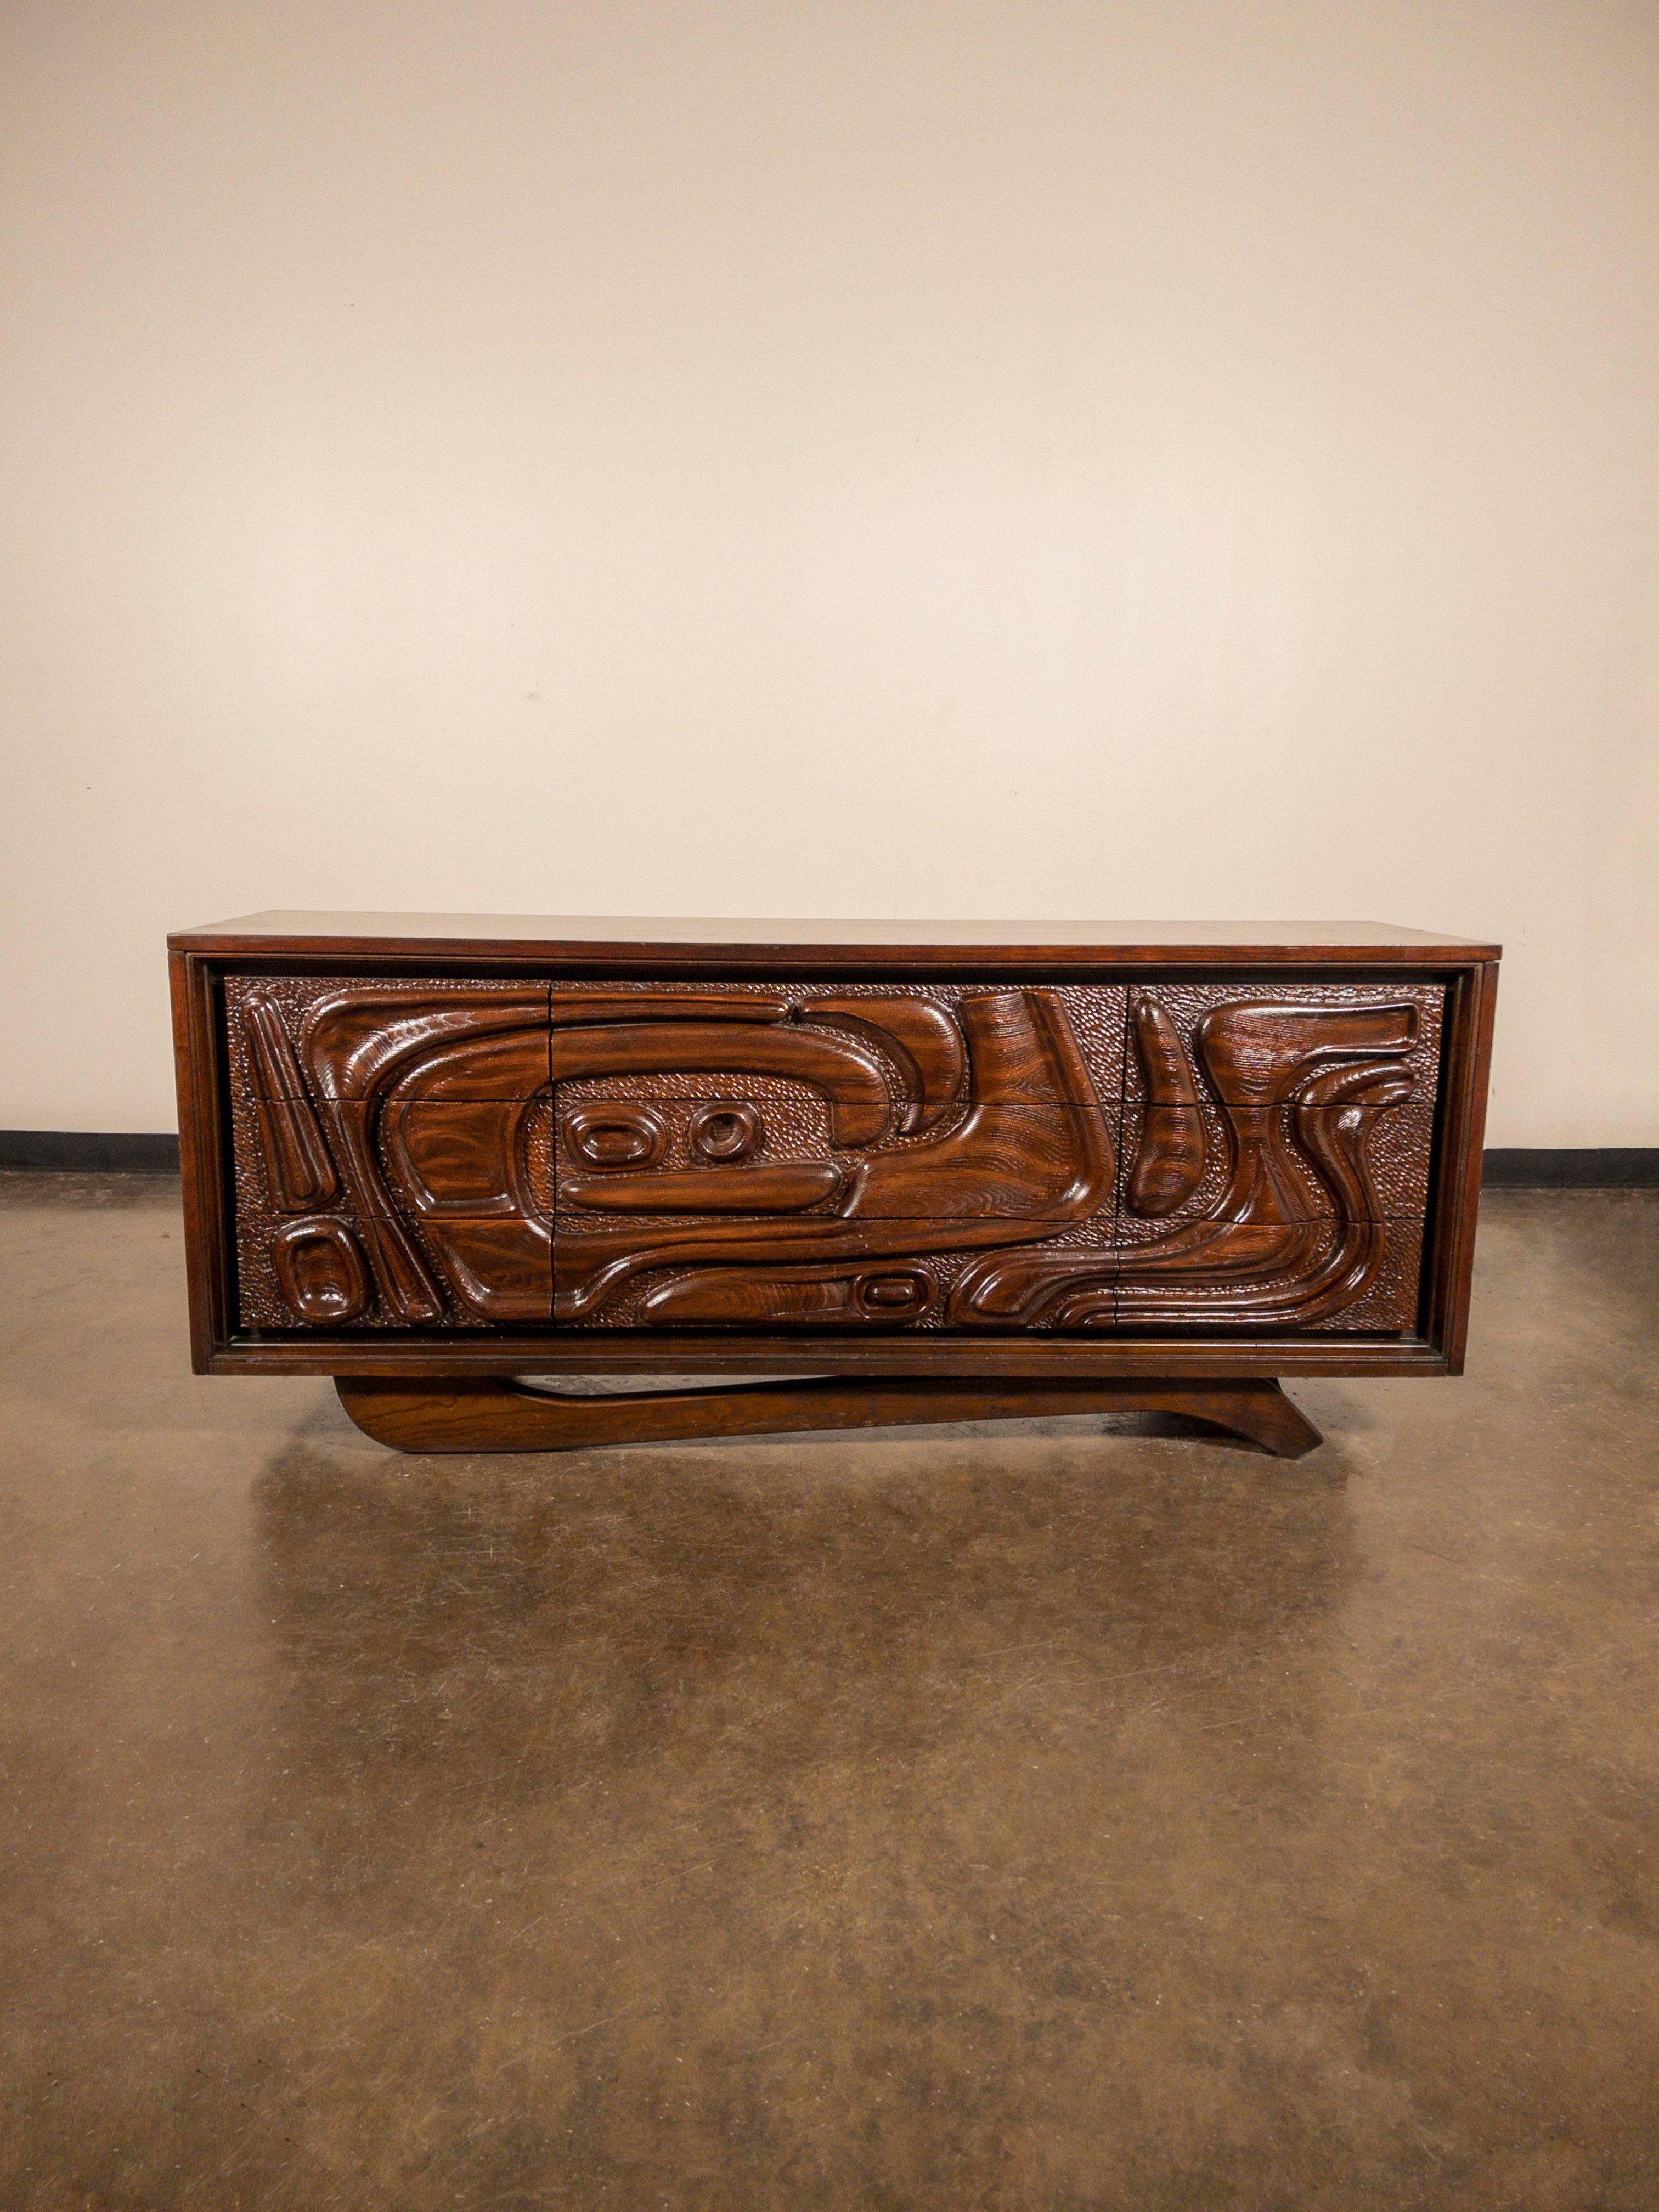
(782, 945)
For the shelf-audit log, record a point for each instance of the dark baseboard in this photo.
(1629, 1166)
(85, 1152)
(1618, 1167)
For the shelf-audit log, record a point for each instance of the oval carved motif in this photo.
(894, 1293)
(723, 1132)
(321, 1269)
(606, 1136)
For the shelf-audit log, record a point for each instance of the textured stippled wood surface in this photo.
(447, 1145)
(409, 1102)
(443, 1154)
(1185, 1003)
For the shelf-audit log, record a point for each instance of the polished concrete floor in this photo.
(1051, 1816)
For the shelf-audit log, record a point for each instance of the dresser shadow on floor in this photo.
(743, 1801)
(543, 1626)
(901, 1550)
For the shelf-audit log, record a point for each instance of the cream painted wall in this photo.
(986, 457)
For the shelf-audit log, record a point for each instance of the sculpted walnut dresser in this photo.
(939, 1171)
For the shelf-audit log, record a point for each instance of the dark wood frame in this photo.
(829, 953)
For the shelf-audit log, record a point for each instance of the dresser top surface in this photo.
(585, 937)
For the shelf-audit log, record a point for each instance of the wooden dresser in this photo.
(924, 1172)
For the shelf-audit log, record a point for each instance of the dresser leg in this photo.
(1262, 1412)
(497, 1413)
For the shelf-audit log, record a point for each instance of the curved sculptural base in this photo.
(497, 1413)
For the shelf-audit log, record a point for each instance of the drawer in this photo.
(381, 1140)
(421, 1152)
(735, 1154)
(825, 1158)
(496, 1145)
(1263, 1164)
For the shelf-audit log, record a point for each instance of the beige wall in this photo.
(985, 457)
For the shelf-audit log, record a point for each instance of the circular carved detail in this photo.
(895, 1294)
(605, 1136)
(724, 1132)
(321, 1269)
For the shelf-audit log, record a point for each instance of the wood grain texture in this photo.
(1397, 1143)
(1172, 1145)
(914, 1028)
(492, 1414)
(1244, 1059)
(1026, 1150)
(931, 1145)
(1293, 1234)
(918, 1035)
(554, 940)
(1270, 1162)
(299, 1173)
(413, 1094)
(1455, 1194)
(320, 1267)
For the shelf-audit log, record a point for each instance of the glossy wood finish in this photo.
(1172, 1145)
(650, 1158)
(448, 1148)
(538, 941)
(490, 1414)
(922, 1176)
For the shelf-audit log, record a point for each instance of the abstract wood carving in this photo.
(528, 1154)
(1148, 1159)
(1173, 1149)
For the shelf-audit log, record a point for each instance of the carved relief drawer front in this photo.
(382, 1137)
(1277, 1150)
(1072, 1159)
(740, 1156)
(959, 1157)
(471, 1147)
